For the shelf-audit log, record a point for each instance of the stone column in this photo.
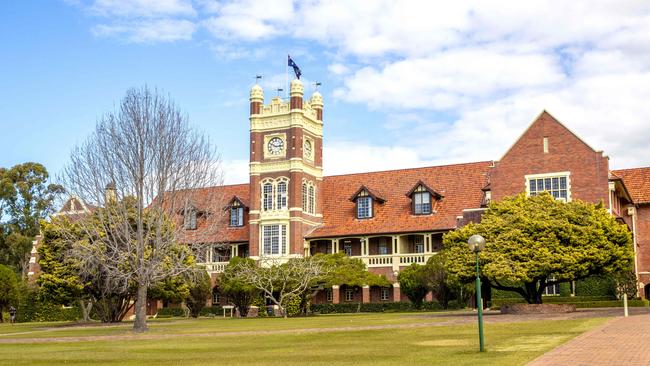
(365, 294)
(396, 292)
(336, 294)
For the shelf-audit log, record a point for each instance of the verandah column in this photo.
(365, 294)
(397, 295)
(335, 294)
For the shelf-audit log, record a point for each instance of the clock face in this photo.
(308, 148)
(275, 146)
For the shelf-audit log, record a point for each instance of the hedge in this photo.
(377, 307)
(578, 301)
(179, 312)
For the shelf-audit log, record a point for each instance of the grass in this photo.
(507, 343)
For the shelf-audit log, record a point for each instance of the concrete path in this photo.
(620, 341)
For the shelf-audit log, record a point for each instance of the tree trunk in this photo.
(85, 309)
(140, 324)
(2, 320)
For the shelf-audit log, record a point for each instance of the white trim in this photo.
(566, 174)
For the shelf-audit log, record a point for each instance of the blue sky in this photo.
(405, 83)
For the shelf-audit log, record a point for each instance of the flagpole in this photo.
(286, 76)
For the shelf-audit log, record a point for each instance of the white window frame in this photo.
(272, 231)
(418, 241)
(566, 175)
(329, 295)
(347, 248)
(384, 294)
(282, 188)
(421, 208)
(237, 213)
(349, 294)
(554, 289)
(272, 198)
(364, 211)
(308, 197)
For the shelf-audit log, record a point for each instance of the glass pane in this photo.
(547, 184)
(533, 186)
(563, 194)
(563, 182)
(556, 183)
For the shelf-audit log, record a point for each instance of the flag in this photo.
(296, 69)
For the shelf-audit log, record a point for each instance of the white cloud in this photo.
(235, 171)
(147, 31)
(142, 8)
(459, 80)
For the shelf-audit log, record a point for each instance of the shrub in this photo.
(384, 307)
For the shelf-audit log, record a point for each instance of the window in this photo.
(189, 218)
(383, 246)
(304, 197)
(267, 199)
(364, 207)
(349, 294)
(216, 297)
(312, 200)
(237, 216)
(347, 248)
(552, 290)
(418, 244)
(384, 294)
(556, 185)
(274, 239)
(281, 196)
(330, 295)
(308, 197)
(422, 203)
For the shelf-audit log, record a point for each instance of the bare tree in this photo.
(146, 167)
(282, 281)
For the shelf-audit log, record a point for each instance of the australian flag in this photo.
(296, 69)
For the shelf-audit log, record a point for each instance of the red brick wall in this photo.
(643, 243)
(589, 169)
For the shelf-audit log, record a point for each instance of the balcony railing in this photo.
(215, 267)
(395, 260)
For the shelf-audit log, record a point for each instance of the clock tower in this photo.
(286, 172)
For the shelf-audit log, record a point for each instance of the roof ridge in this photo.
(414, 168)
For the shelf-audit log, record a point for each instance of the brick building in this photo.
(391, 219)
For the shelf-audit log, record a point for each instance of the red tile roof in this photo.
(212, 228)
(637, 182)
(460, 184)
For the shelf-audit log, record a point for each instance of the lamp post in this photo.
(476, 243)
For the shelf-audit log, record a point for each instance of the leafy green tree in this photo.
(59, 281)
(534, 242)
(414, 283)
(239, 292)
(173, 289)
(440, 284)
(626, 283)
(344, 270)
(199, 292)
(26, 197)
(8, 289)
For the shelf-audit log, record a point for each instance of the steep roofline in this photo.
(405, 169)
(544, 111)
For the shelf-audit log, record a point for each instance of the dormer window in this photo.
(189, 218)
(365, 200)
(422, 199)
(364, 207)
(422, 203)
(236, 214)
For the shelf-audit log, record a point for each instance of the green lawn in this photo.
(211, 341)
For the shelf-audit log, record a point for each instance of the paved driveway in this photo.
(620, 341)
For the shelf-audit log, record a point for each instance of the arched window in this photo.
(312, 200)
(281, 203)
(267, 197)
(304, 196)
